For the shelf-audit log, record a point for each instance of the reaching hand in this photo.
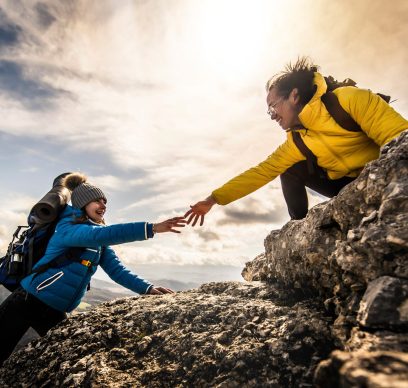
(199, 210)
(160, 291)
(168, 225)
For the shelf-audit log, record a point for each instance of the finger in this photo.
(178, 225)
(182, 220)
(190, 218)
(166, 290)
(202, 220)
(174, 231)
(188, 213)
(195, 219)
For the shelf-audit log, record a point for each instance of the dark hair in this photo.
(298, 75)
(83, 219)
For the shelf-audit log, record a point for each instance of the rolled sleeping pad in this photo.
(47, 208)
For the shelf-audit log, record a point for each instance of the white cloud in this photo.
(14, 209)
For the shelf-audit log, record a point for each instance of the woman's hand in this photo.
(168, 225)
(199, 210)
(160, 291)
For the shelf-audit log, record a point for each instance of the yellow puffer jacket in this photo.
(338, 151)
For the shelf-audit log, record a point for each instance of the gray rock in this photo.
(347, 242)
(353, 252)
(363, 370)
(385, 304)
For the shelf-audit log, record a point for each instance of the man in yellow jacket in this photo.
(294, 101)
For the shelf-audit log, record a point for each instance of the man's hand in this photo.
(160, 291)
(199, 210)
(168, 225)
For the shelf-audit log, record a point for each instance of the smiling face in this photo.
(95, 210)
(285, 111)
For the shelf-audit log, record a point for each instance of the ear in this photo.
(294, 96)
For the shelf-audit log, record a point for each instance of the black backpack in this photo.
(336, 111)
(29, 242)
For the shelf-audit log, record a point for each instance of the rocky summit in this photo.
(222, 334)
(353, 251)
(325, 305)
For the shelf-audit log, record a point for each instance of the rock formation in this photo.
(326, 305)
(353, 250)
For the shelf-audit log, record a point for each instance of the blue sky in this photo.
(160, 102)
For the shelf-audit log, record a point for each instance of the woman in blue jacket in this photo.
(59, 280)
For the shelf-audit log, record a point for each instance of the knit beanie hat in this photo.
(82, 192)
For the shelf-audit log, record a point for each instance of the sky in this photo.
(160, 102)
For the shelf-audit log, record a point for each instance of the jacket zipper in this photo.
(47, 282)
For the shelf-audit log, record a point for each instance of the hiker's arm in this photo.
(111, 264)
(85, 235)
(277, 163)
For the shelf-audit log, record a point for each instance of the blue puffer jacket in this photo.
(63, 287)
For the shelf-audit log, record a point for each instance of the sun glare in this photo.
(232, 36)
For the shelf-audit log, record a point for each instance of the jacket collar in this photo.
(71, 212)
(311, 110)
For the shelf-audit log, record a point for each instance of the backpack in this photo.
(337, 112)
(29, 242)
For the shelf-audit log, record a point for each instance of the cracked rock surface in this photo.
(353, 251)
(223, 334)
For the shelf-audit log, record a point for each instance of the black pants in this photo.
(295, 180)
(18, 313)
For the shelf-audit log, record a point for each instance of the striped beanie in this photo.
(82, 192)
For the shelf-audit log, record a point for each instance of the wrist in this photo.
(150, 230)
(211, 200)
(149, 289)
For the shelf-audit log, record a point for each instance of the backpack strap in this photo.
(305, 150)
(340, 116)
(72, 254)
(30, 255)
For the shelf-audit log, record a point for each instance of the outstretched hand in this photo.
(168, 225)
(199, 210)
(160, 291)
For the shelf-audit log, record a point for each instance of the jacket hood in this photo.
(311, 109)
(71, 212)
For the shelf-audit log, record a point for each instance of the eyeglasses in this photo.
(272, 108)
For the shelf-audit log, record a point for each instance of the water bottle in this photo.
(16, 261)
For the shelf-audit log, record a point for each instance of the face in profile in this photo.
(283, 110)
(95, 210)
